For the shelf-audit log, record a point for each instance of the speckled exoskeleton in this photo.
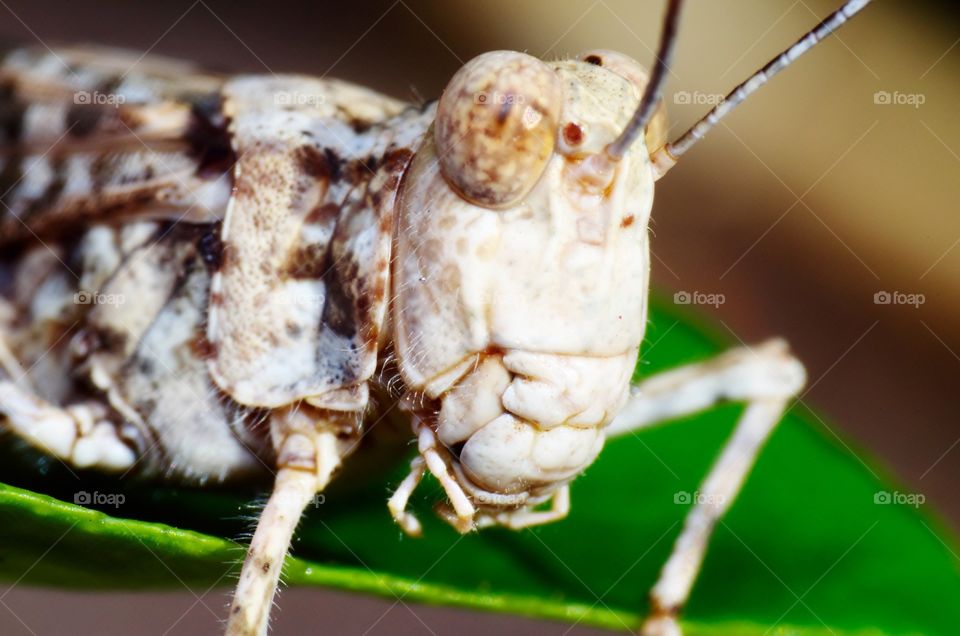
(206, 274)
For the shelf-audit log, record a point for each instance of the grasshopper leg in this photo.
(308, 453)
(80, 434)
(527, 517)
(766, 378)
(398, 501)
(430, 458)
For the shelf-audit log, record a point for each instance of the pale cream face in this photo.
(520, 282)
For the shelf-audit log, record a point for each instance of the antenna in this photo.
(664, 158)
(651, 94)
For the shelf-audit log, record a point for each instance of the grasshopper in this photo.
(207, 275)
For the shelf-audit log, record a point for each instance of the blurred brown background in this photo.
(836, 182)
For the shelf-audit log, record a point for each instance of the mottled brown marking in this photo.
(130, 118)
(307, 262)
(386, 223)
(108, 339)
(243, 188)
(203, 348)
(209, 138)
(82, 119)
(338, 308)
(293, 330)
(314, 162)
(379, 291)
(322, 214)
(627, 221)
(361, 170)
(397, 159)
(360, 126)
(12, 111)
(134, 201)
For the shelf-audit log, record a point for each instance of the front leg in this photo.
(764, 377)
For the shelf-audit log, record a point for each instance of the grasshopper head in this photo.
(521, 268)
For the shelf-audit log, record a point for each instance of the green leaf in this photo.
(805, 547)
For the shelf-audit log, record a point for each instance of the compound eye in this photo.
(627, 68)
(496, 126)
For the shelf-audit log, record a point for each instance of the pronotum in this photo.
(291, 241)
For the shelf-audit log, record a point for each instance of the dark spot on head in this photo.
(573, 134)
(236, 609)
(593, 59)
(627, 221)
(266, 567)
